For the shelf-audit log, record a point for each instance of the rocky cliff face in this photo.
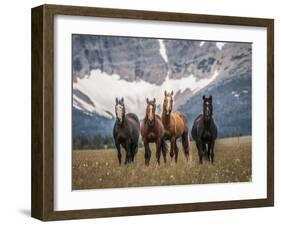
(203, 58)
(133, 59)
(142, 67)
(192, 57)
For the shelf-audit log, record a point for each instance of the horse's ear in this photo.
(165, 93)
(204, 97)
(122, 100)
(147, 101)
(172, 93)
(211, 97)
(154, 100)
(116, 100)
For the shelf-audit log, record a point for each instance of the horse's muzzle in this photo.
(168, 112)
(150, 122)
(120, 121)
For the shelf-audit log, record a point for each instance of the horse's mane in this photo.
(158, 117)
(132, 115)
(199, 117)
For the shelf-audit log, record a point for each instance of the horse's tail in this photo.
(186, 143)
(185, 136)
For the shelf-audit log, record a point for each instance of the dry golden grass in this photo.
(100, 168)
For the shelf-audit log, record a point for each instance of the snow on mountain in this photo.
(102, 89)
(220, 45)
(163, 50)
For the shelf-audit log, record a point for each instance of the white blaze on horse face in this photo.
(119, 111)
(150, 116)
(168, 107)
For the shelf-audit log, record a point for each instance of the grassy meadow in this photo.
(94, 169)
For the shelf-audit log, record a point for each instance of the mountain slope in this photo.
(106, 67)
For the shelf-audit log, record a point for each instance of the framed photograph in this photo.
(141, 112)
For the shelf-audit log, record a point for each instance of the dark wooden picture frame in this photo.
(42, 203)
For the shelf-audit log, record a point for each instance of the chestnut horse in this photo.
(152, 131)
(175, 125)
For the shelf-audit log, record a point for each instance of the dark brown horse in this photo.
(175, 124)
(152, 131)
(125, 132)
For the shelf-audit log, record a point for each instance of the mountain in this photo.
(132, 58)
(106, 67)
(231, 106)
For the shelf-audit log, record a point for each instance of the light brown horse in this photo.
(176, 126)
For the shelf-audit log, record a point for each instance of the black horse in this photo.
(204, 131)
(126, 132)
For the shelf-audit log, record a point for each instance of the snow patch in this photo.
(201, 44)
(103, 88)
(162, 50)
(220, 45)
(83, 105)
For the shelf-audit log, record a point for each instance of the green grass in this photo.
(100, 168)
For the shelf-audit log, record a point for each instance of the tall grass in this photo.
(100, 168)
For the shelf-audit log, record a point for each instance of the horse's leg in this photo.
(176, 150)
(200, 151)
(158, 150)
(147, 153)
(117, 144)
(134, 149)
(172, 147)
(209, 151)
(128, 151)
(164, 149)
(212, 150)
(205, 152)
(185, 144)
